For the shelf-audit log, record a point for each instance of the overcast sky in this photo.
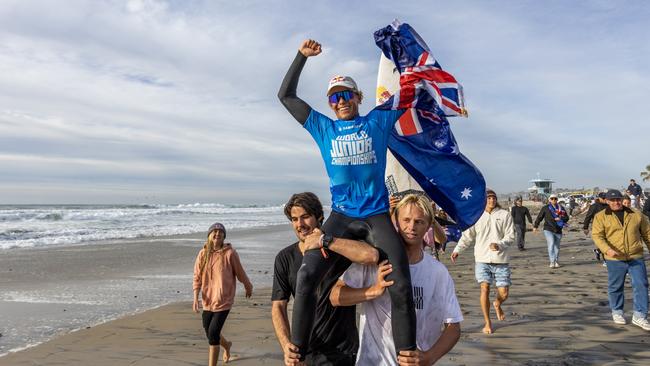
(175, 102)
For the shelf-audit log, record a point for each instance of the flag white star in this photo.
(466, 193)
(454, 149)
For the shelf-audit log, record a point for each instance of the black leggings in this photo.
(213, 323)
(376, 230)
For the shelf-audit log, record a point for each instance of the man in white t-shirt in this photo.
(437, 311)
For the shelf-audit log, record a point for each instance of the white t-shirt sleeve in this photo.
(356, 276)
(452, 312)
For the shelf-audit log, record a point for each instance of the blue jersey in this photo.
(354, 153)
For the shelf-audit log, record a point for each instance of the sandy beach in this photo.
(554, 317)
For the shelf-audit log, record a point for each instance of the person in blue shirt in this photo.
(353, 148)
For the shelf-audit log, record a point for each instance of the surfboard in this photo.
(398, 181)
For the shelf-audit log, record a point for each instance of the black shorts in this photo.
(213, 323)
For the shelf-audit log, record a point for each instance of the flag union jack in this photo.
(441, 85)
(423, 82)
(421, 139)
(409, 123)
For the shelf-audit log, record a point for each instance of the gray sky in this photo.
(173, 102)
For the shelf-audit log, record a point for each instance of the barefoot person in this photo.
(620, 232)
(353, 148)
(491, 236)
(334, 339)
(216, 268)
(437, 310)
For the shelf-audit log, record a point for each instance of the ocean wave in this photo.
(121, 212)
(31, 239)
(38, 226)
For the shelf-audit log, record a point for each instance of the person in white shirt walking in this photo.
(492, 235)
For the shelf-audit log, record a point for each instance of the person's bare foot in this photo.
(500, 314)
(226, 352)
(487, 329)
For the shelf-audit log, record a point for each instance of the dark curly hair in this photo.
(308, 201)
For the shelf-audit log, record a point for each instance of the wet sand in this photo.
(553, 317)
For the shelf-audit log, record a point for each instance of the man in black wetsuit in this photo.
(334, 338)
(353, 148)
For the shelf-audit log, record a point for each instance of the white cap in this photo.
(345, 82)
(553, 195)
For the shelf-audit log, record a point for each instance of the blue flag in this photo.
(422, 140)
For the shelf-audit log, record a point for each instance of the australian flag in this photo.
(453, 233)
(422, 140)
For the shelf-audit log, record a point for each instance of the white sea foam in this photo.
(37, 226)
(22, 348)
(33, 298)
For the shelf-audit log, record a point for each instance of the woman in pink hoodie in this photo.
(215, 270)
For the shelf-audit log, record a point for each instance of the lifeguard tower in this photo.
(541, 188)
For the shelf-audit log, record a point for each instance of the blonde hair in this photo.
(418, 200)
(208, 247)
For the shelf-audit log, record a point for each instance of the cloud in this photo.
(177, 100)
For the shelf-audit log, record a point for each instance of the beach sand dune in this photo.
(553, 317)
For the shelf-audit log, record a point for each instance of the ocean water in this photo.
(24, 226)
(87, 239)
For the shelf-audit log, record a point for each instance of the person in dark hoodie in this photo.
(519, 214)
(636, 190)
(555, 218)
(595, 208)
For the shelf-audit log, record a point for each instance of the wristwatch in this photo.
(326, 240)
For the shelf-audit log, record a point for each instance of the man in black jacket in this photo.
(636, 190)
(595, 208)
(519, 214)
(555, 218)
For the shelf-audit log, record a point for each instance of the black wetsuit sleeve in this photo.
(298, 108)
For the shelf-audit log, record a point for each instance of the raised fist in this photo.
(309, 48)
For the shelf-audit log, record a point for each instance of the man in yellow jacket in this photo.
(619, 232)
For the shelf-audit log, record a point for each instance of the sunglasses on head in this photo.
(347, 95)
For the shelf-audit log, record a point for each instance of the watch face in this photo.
(327, 240)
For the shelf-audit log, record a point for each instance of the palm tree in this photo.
(646, 175)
